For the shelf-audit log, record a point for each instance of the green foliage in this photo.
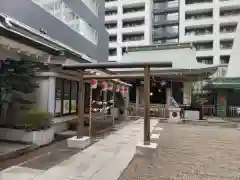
(18, 78)
(34, 120)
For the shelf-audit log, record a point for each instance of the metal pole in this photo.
(105, 104)
(146, 105)
(81, 92)
(90, 114)
(113, 105)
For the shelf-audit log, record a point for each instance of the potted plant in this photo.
(35, 128)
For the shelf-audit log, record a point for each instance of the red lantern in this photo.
(94, 83)
(122, 89)
(125, 89)
(110, 86)
(104, 86)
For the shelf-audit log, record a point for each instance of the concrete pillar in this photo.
(42, 95)
(137, 100)
(168, 96)
(51, 94)
(187, 93)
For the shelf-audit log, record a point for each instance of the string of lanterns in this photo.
(106, 86)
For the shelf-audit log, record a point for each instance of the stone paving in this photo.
(106, 159)
(187, 152)
(6, 148)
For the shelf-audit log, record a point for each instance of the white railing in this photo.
(209, 110)
(233, 111)
(61, 11)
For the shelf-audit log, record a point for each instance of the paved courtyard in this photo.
(104, 160)
(188, 152)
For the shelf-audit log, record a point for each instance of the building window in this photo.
(58, 99)
(74, 97)
(66, 97)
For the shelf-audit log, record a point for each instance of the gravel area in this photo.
(188, 152)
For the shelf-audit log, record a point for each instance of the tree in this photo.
(17, 78)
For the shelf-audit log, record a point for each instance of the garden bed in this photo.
(38, 138)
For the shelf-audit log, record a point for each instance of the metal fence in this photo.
(156, 110)
(160, 110)
(209, 110)
(233, 111)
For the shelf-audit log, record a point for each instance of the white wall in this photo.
(181, 58)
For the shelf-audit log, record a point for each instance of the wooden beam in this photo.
(116, 76)
(116, 65)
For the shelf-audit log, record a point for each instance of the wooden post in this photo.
(146, 106)
(137, 101)
(81, 92)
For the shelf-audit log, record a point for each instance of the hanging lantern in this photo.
(104, 86)
(110, 86)
(117, 88)
(94, 83)
(125, 89)
(122, 89)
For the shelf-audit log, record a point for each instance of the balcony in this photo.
(225, 3)
(204, 14)
(228, 28)
(133, 29)
(165, 10)
(226, 44)
(229, 12)
(112, 38)
(204, 46)
(111, 12)
(111, 3)
(158, 23)
(133, 9)
(199, 6)
(112, 52)
(110, 25)
(205, 59)
(61, 11)
(224, 59)
(132, 39)
(198, 34)
(198, 31)
(164, 35)
(188, 2)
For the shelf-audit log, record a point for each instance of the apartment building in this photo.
(210, 25)
(129, 23)
(76, 23)
(165, 21)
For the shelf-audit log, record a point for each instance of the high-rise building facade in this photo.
(78, 24)
(165, 21)
(210, 25)
(129, 23)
